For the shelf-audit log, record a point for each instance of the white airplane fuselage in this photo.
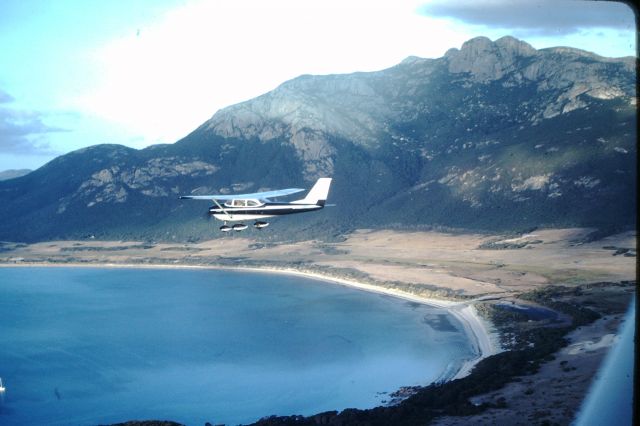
(262, 211)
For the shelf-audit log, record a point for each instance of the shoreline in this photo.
(475, 327)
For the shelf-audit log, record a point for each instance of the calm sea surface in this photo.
(86, 346)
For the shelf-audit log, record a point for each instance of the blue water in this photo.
(94, 346)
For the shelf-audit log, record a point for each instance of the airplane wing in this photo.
(254, 195)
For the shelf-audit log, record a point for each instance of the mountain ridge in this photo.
(13, 173)
(494, 135)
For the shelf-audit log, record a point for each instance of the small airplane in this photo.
(257, 206)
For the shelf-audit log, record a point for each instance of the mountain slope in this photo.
(12, 173)
(496, 135)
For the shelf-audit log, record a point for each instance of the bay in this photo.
(105, 345)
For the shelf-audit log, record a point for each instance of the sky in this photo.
(75, 73)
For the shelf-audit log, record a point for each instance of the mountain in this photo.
(491, 136)
(12, 173)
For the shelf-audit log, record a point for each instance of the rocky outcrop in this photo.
(304, 112)
(113, 184)
(485, 60)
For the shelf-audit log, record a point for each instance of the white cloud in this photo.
(170, 77)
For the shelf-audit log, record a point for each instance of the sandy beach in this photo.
(479, 330)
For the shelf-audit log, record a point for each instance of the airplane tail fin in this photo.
(318, 194)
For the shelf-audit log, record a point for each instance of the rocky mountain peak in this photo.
(519, 47)
(319, 102)
(302, 111)
(358, 106)
(486, 60)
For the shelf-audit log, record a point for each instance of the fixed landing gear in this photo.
(241, 226)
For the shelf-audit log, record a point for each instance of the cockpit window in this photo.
(243, 203)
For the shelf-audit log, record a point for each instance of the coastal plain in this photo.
(463, 271)
(433, 264)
